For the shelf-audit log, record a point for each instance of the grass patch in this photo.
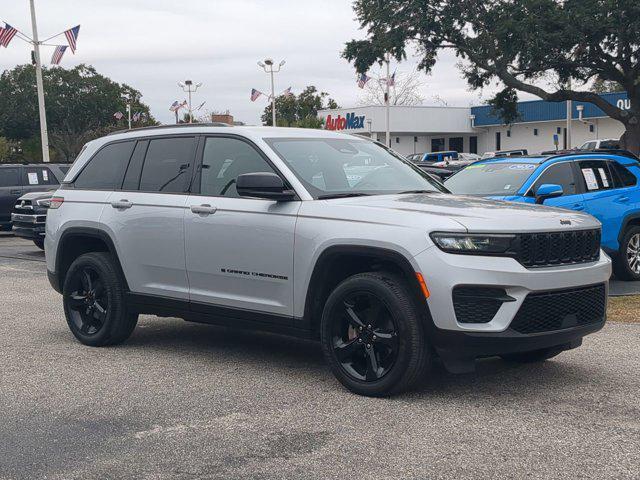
(624, 309)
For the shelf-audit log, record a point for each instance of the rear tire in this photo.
(627, 263)
(94, 301)
(534, 356)
(39, 242)
(372, 335)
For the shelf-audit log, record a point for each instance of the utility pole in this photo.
(268, 67)
(386, 103)
(44, 136)
(188, 87)
(569, 115)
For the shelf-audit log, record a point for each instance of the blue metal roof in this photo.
(513, 160)
(542, 111)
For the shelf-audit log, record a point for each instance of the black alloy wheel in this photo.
(365, 338)
(94, 298)
(88, 302)
(373, 336)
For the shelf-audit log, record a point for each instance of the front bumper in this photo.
(31, 226)
(444, 271)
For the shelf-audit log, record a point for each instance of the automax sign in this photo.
(349, 122)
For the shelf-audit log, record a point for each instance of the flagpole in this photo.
(44, 137)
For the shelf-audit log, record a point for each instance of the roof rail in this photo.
(177, 125)
(610, 151)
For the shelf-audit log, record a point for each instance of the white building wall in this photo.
(523, 134)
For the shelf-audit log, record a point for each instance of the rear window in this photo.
(33, 176)
(621, 176)
(106, 169)
(9, 177)
(490, 178)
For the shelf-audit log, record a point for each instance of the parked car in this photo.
(18, 179)
(415, 157)
(440, 173)
(604, 185)
(30, 215)
(261, 228)
(604, 143)
(462, 161)
(505, 153)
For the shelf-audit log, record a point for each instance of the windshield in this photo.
(331, 167)
(490, 178)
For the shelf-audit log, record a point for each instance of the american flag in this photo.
(392, 80)
(174, 106)
(7, 34)
(287, 92)
(118, 115)
(136, 116)
(255, 94)
(57, 54)
(72, 37)
(362, 80)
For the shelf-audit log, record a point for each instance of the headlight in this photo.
(45, 202)
(478, 243)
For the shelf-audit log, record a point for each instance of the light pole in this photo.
(268, 67)
(44, 136)
(127, 100)
(189, 87)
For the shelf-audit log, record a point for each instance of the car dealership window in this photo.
(105, 170)
(223, 160)
(167, 165)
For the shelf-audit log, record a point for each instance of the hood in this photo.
(37, 195)
(475, 214)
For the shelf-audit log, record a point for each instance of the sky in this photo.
(153, 44)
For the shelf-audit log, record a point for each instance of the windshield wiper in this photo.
(417, 191)
(342, 195)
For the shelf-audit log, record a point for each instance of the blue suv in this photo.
(604, 184)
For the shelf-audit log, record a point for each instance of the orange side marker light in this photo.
(423, 285)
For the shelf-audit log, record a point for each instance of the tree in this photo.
(406, 90)
(549, 48)
(80, 106)
(301, 110)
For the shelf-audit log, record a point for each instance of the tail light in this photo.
(56, 202)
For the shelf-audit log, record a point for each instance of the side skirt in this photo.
(218, 315)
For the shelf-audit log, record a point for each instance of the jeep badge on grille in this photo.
(565, 222)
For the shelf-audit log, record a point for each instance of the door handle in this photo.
(623, 199)
(203, 209)
(122, 204)
(578, 206)
(15, 192)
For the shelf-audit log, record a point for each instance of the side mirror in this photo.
(548, 190)
(263, 185)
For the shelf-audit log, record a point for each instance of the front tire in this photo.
(372, 336)
(94, 301)
(627, 262)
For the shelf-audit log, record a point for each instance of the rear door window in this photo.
(168, 164)
(34, 176)
(558, 174)
(10, 177)
(106, 169)
(596, 175)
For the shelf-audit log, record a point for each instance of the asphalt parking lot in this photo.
(182, 400)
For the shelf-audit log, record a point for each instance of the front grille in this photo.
(555, 310)
(478, 304)
(558, 248)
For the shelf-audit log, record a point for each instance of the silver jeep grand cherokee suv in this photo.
(318, 235)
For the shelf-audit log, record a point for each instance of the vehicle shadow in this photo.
(494, 380)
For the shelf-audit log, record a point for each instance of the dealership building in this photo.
(539, 127)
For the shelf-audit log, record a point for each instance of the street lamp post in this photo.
(269, 68)
(189, 87)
